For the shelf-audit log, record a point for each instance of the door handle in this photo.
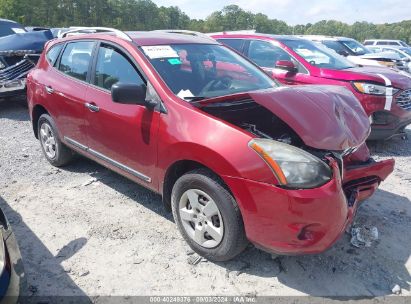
(92, 107)
(49, 90)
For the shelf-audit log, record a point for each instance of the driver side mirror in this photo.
(286, 65)
(130, 93)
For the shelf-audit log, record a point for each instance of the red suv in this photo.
(234, 155)
(384, 93)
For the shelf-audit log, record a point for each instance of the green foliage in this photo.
(142, 15)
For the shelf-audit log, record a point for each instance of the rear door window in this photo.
(76, 58)
(112, 67)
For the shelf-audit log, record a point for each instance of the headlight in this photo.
(372, 89)
(293, 167)
(2, 66)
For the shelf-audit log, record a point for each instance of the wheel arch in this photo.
(178, 169)
(37, 111)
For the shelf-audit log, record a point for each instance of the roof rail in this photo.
(244, 32)
(184, 32)
(87, 30)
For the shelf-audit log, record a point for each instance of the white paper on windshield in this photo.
(159, 51)
(18, 30)
(185, 93)
(388, 93)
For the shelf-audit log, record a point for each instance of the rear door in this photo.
(66, 87)
(266, 55)
(124, 136)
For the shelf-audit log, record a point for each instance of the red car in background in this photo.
(384, 93)
(237, 157)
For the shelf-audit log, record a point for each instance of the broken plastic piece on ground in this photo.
(363, 236)
(194, 259)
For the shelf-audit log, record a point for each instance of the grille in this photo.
(404, 100)
(16, 71)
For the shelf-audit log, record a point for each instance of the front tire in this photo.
(208, 216)
(54, 150)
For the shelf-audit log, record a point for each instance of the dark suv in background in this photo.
(19, 52)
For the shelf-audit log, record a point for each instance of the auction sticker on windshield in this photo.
(160, 51)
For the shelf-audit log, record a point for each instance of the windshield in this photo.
(357, 48)
(318, 55)
(10, 28)
(205, 70)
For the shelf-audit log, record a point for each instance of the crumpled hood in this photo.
(398, 79)
(30, 41)
(324, 117)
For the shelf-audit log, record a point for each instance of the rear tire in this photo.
(54, 150)
(208, 216)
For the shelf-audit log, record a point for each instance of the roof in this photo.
(161, 38)
(324, 37)
(147, 38)
(254, 35)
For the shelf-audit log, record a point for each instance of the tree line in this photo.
(146, 15)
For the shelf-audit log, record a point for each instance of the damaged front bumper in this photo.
(305, 221)
(13, 77)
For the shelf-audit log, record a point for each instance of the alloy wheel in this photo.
(48, 140)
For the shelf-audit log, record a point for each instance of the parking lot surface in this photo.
(84, 230)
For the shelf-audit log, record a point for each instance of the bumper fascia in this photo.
(294, 222)
(388, 132)
(397, 117)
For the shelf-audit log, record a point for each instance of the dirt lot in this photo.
(85, 230)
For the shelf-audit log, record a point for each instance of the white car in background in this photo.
(403, 52)
(385, 42)
(356, 52)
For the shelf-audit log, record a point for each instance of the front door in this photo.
(123, 136)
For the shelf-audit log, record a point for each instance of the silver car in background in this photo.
(357, 53)
(403, 52)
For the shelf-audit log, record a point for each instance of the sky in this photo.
(305, 11)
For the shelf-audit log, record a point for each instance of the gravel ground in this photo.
(84, 230)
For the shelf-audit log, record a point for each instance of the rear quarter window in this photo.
(53, 53)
